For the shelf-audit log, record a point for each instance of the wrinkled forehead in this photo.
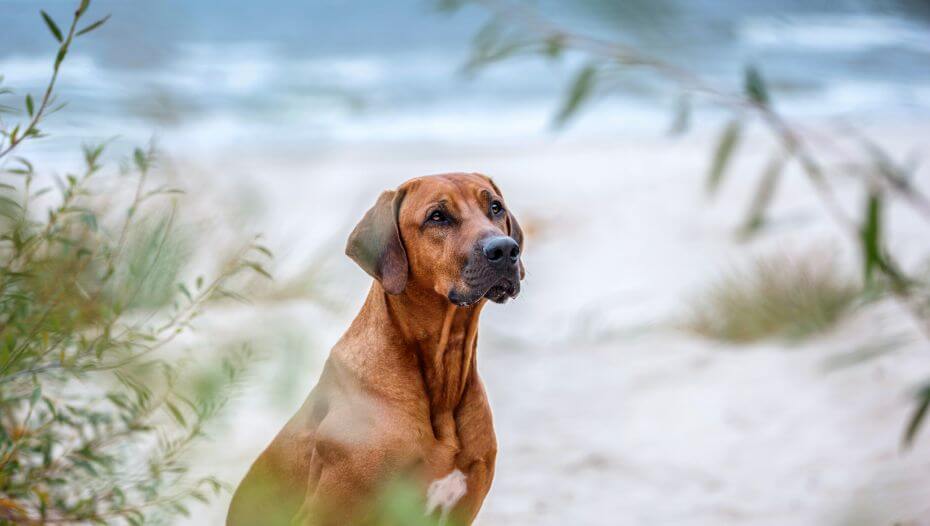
(457, 192)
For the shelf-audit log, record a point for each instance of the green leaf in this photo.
(554, 46)
(92, 154)
(119, 400)
(682, 116)
(913, 426)
(30, 108)
(264, 250)
(755, 218)
(492, 43)
(450, 5)
(140, 159)
(220, 292)
(7, 202)
(729, 138)
(52, 26)
(176, 413)
(90, 219)
(181, 509)
(493, 54)
(199, 496)
(755, 86)
(187, 293)
(61, 56)
(26, 164)
(874, 255)
(257, 268)
(93, 26)
(135, 517)
(87, 466)
(580, 90)
(871, 235)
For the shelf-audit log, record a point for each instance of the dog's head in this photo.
(450, 234)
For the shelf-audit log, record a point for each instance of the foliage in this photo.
(518, 28)
(400, 502)
(97, 404)
(774, 296)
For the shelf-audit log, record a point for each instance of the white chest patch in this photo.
(444, 493)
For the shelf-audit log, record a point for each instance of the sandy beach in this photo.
(606, 412)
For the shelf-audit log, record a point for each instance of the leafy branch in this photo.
(97, 413)
(516, 28)
(36, 113)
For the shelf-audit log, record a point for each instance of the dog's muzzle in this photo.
(493, 272)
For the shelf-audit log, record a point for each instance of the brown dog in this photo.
(400, 393)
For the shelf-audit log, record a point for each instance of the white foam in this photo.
(835, 32)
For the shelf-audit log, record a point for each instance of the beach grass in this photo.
(775, 296)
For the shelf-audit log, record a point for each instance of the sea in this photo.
(214, 76)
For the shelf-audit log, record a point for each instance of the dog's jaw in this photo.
(498, 292)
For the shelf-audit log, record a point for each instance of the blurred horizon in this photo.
(315, 74)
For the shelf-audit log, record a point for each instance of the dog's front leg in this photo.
(460, 492)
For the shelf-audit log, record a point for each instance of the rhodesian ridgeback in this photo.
(400, 394)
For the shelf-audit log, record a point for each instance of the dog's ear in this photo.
(376, 246)
(517, 234)
(513, 227)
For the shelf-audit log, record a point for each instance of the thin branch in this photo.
(791, 140)
(47, 96)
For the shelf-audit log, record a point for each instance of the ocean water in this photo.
(210, 76)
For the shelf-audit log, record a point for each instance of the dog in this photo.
(400, 394)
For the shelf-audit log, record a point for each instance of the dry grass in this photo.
(775, 296)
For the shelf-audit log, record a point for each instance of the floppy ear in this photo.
(517, 234)
(376, 246)
(515, 231)
(513, 227)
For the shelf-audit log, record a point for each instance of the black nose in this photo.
(501, 251)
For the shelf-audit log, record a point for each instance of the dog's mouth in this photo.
(503, 290)
(497, 291)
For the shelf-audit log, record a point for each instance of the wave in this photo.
(839, 32)
(214, 96)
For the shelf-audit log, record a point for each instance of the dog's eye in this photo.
(437, 217)
(496, 208)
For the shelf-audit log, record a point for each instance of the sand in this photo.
(606, 413)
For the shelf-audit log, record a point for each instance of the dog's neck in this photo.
(442, 335)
